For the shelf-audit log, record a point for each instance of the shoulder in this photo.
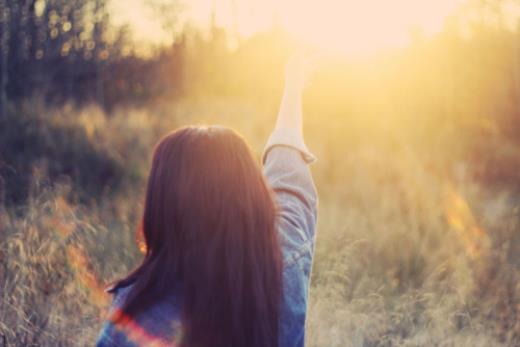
(158, 325)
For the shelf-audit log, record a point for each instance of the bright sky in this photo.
(350, 26)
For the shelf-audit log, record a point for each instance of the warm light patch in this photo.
(84, 277)
(64, 222)
(136, 333)
(359, 27)
(140, 240)
(461, 219)
(339, 26)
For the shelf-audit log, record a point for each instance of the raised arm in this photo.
(290, 113)
(286, 156)
(286, 160)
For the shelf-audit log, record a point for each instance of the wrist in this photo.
(293, 90)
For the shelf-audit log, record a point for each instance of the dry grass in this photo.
(411, 250)
(406, 264)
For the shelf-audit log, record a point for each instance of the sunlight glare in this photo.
(354, 27)
(359, 27)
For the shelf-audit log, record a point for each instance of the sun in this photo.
(362, 26)
(353, 27)
(344, 26)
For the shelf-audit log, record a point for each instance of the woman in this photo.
(228, 248)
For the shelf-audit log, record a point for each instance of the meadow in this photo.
(408, 253)
(418, 239)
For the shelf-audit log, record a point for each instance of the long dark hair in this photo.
(209, 230)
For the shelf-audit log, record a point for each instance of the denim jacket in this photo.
(285, 160)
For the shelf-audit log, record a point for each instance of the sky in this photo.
(342, 25)
(252, 16)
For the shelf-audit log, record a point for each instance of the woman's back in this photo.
(227, 262)
(159, 325)
(287, 172)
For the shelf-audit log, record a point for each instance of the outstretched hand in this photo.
(299, 70)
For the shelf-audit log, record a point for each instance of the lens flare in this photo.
(461, 219)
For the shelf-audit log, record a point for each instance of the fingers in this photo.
(302, 66)
(311, 59)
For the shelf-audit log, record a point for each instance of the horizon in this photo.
(346, 27)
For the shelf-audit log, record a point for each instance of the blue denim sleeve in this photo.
(109, 336)
(286, 169)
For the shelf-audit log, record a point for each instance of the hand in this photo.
(298, 71)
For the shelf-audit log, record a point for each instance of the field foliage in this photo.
(415, 246)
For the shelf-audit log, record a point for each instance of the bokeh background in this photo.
(413, 113)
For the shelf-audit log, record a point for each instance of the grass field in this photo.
(412, 249)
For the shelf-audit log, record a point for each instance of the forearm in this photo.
(290, 113)
(288, 130)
